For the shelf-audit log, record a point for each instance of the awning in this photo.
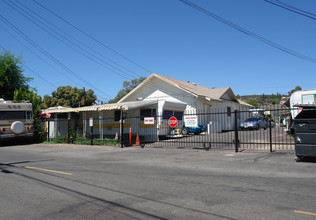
(106, 107)
(126, 105)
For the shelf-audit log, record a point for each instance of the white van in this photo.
(16, 119)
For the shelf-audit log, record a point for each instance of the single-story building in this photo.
(157, 98)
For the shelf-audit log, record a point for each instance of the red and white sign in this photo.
(91, 122)
(173, 122)
(191, 120)
(149, 120)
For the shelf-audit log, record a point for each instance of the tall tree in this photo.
(127, 87)
(68, 96)
(32, 96)
(11, 76)
(297, 88)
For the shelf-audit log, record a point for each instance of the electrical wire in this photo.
(292, 9)
(73, 38)
(91, 37)
(50, 32)
(45, 80)
(41, 58)
(55, 60)
(69, 43)
(251, 34)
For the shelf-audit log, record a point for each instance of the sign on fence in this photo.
(173, 122)
(149, 120)
(191, 120)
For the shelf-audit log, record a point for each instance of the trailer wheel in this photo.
(298, 159)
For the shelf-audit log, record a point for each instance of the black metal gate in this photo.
(234, 129)
(225, 129)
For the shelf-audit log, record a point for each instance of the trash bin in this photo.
(303, 128)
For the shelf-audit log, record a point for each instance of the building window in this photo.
(117, 115)
(10, 115)
(308, 99)
(167, 114)
(147, 113)
(229, 111)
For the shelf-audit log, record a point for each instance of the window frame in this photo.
(177, 114)
(148, 112)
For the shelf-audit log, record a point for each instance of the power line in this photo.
(36, 73)
(251, 34)
(93, 38)
(68, 42)
(73, 38)
(42, 78)
(63, 37)
(38, 55)
(292, 9)
(48, 54)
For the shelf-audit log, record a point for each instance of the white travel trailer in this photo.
(302, 97)
(15, 119)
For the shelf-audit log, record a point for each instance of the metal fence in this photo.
(220, 129)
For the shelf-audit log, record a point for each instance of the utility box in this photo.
(303, 128)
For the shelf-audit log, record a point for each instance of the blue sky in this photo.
(165, 37)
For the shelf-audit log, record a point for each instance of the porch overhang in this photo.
(106, 107)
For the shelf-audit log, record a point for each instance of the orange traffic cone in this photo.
(137, 140)
(130, 135)
(116, 136)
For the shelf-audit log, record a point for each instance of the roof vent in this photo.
(188, 81)
(194, 83)
(140, 99)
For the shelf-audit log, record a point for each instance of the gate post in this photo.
(270, 135)
(236, 132)
(47, 130)
(122, 129)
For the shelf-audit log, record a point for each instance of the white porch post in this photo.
(101, 124)
(161, 104)
(84, 124)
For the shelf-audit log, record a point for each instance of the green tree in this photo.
(68, 96)
(275, 99)
(32, 96)
(253, 102)
(297, 88)
(127, 87)
(11, 77)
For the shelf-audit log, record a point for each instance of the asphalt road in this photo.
(91, 182)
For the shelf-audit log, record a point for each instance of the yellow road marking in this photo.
(306, 213)
(54, 171)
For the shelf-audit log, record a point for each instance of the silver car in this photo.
(254, 123)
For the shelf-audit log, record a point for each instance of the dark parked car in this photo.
(254, 123)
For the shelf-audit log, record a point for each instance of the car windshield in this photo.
(252, 119)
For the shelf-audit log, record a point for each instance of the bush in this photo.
(77, 139)
(40, 133)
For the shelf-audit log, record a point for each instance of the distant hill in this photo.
(265, 99)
